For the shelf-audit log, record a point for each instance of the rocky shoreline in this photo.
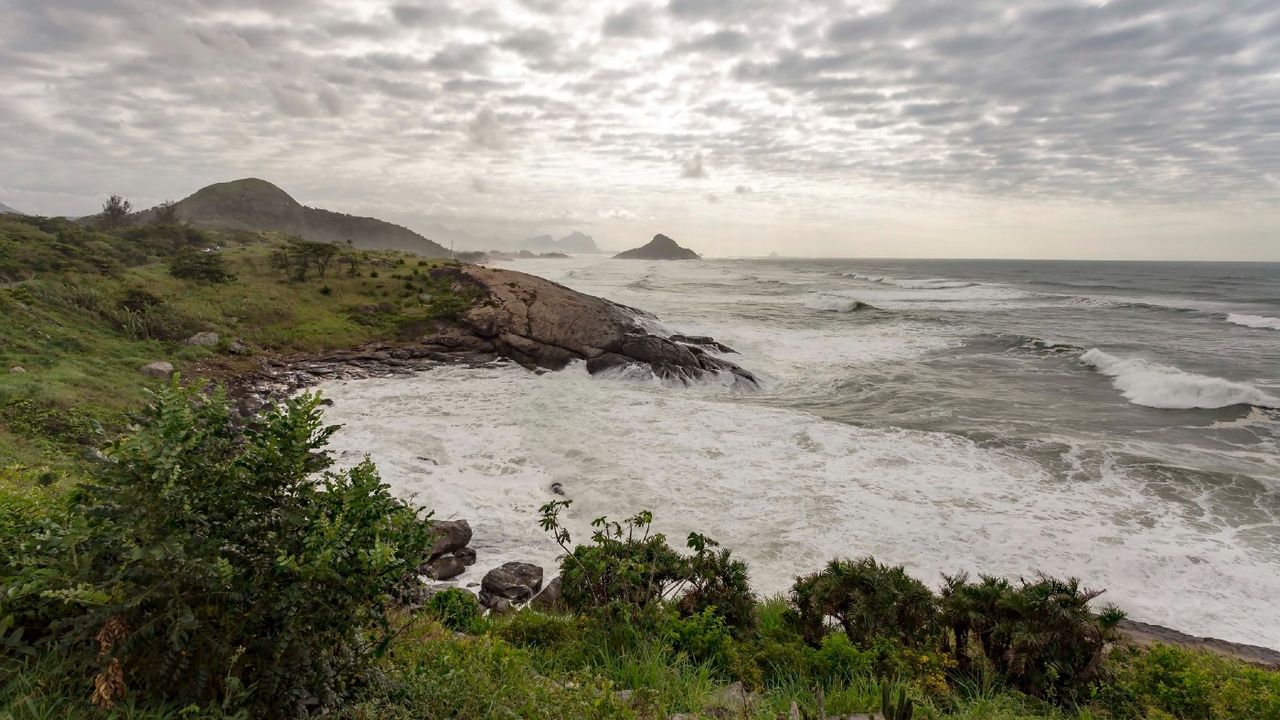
(527, 320)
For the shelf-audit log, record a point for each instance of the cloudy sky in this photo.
(966, 128)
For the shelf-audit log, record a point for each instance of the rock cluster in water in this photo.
(660, 247)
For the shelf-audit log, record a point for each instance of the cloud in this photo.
(486, 131)
(617, 213)
(480, 185)
(743, 190)
(692, 166)
(635, 21)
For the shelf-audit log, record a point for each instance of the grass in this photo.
(82, 311)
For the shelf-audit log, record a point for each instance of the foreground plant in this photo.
(206, 560)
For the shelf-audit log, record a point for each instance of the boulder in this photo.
(549, 599)
(466, 555)
(732, 697)
(17, 369)
(516, 581)
(158, 369)
(450, 535)
(445, 568)
(237, 347)
(203, 339)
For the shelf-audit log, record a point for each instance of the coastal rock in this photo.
(445, 568)
(466, 555)
(158, 369)
(542, 324)
(202, 339)
(549, 599)
(450, 535)
(512, 581)
(702, 341)
(660, 247)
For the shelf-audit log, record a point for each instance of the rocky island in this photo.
(660, 247)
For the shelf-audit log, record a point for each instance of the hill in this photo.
(574, 242)
(6, 209)
(253, 204)
(660, 247)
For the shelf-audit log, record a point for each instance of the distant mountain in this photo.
(253, 204)
(6, 209)
(660, 247)
(574, 242)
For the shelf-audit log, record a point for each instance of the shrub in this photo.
(1039, 635)
(1144, 682)
(529, 628)
(207, 267)
(720, 584)
(455, 608)
(704, 638)
(868, 600)
(206, 559)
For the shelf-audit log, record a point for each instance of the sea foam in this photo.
(1143, 382)
(1254, 321)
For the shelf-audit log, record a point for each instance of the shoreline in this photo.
(278, 375)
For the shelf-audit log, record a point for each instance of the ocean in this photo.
(1114, 421)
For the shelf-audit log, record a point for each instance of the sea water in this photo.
(1113, 421)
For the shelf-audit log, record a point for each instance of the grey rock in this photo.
(203, 339)
(466, 555)
(549, 599)
(513, 581)
(660, 247)
(445, 568)
(17, 369)
(158, 369)
(450, 536)
(732, 697)
(237, 347)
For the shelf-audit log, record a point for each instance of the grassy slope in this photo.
(82, 366)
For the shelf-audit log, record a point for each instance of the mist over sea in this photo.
(1114, 421)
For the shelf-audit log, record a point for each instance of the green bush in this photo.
(720, 584)
(868, 600)
(206, 561)
(207, 267)
(455, 608)
(704, 638)
(1040, 635)
(529, 628)
(1145, 682)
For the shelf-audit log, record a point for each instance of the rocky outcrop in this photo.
(202, 339)
(542, 324)
(451, 535)
(158, 369)
(660, 247)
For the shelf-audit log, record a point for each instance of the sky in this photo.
(1129, 129)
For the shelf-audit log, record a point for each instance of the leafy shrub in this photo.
(704, 638)
(206, 560)
(720, 584)
(206, 267)
(455, 608)
(838, 661)
(1144, 682)
(868, 600)
(1039, 635)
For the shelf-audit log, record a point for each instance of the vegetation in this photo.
(161, 559)
(82, 308)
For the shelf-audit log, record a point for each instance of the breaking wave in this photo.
(1254, 321)
(909, 284)
(1160, 386)
(835, 303)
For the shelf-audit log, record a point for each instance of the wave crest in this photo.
(1160, 386)
(835, 303)
(1254, 321)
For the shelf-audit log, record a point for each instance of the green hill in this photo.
(253, 204)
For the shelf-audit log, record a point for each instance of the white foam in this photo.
(912, 283)
(1160, 386)
(786, 490)
(1254, 321)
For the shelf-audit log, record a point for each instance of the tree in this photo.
(115, 210)
(206, 267)
(166, 213)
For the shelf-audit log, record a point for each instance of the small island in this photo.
(660, 247)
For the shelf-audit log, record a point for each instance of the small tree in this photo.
(115, 211)
(166, 213)
(208, 267)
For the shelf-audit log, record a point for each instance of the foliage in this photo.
(901, 708)
(868, 600)
(208, 267)
(1168, 681)
(1039, 635)
(205, 561)
(719, 584)
(455, 608)
(115, 210)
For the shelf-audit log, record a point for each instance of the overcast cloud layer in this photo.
(1036, 128)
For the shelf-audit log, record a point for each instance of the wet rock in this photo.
(702, 341)
(549, 599)
(158, 369)
(450, 536)
(466, 555)
(445, 568)
(516, 581)
(202, 339)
